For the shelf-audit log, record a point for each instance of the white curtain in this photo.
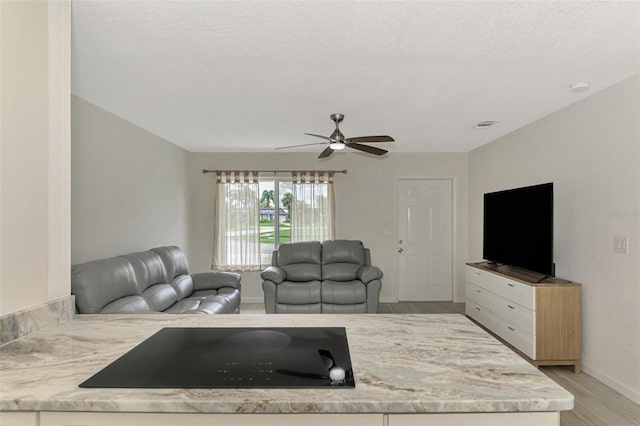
(312, 207)
(236, 241)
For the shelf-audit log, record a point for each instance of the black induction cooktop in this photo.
(305, 357)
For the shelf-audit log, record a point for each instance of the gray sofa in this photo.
(333, 277)
(157, 280)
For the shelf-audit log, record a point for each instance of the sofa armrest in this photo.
(274, 274)
(215, 280)
(366, 274)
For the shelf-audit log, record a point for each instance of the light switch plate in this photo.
(621, 244)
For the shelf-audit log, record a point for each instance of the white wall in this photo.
(34, 151)
(365, 203)
(591, 151)
(129, 187)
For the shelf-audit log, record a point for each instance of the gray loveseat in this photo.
(157, 280)
(333, 277)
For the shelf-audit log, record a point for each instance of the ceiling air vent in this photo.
(484, 124)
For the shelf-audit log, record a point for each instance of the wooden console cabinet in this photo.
(540, 321)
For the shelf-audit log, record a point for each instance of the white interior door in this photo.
(424, 239)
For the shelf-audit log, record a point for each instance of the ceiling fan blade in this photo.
(365, 148)
(319, 136)
(327, 152)
(304, 144)
(381, 138)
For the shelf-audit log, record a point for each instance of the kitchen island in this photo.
(409, 369)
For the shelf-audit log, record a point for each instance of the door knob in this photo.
(400, 242)
(400, 250)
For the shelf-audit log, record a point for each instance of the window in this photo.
(275, 215)
(255, 215)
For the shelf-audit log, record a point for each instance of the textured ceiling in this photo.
(249, 76)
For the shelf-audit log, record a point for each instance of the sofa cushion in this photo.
(183, 306)
(343, 251)
(216, 280)
(148, 268)
(340, 271)
(298, 293)
(282, 308)
(301, 261)
(183, 285)
(127, 305)
(303, 272)
(343, 293)
(97, 283)
(305, 252)
(174, 259)
(231, 297)
(160, 296)
(341, 259)
(224, 301)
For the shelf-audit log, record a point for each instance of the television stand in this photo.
(538, 318)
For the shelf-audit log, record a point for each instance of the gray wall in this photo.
(365, 203)
(129, 187)
(591, 151)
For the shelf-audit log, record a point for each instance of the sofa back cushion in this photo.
(148, 268)
(175, 263)
(174, 259)
(341, 259)
(98, 283)
(301, 261)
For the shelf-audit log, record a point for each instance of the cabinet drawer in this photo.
(477, 276)
(479, 295)
(478, 313)
(518, 316)
(514, 335)
(17, 418)
(520, 293)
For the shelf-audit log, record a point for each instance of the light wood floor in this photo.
(596, 404)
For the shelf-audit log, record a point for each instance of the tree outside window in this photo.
(275, 216)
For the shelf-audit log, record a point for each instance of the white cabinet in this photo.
(18, 418)
(539, 320)
(183, 419)
(504, 306)
(475, 419)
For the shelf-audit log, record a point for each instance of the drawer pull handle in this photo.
(510, 306)
(510, 285)
(477, 309)
(511, 328)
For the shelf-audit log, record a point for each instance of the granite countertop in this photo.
(402, 364)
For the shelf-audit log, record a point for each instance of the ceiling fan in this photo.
(337, 141)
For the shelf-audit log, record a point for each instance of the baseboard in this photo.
(388, 300)
(255, 299)
(632, 394)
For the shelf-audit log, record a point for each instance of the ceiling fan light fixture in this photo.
(337, 145)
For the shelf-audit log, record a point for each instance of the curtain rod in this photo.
(205, 171)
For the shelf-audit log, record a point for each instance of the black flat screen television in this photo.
(518, 228)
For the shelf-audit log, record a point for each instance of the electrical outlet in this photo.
(621, 244)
